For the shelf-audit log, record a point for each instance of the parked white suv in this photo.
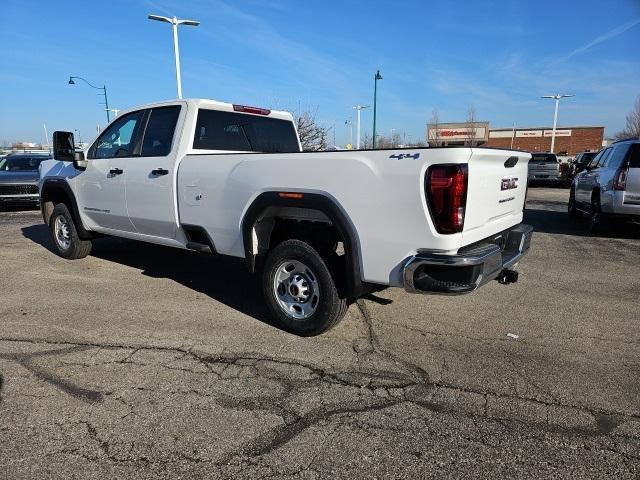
(323, 227)
(609, 189)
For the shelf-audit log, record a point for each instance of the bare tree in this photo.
(435, 127)
(395, 139)
(632, 127)
(313, 136)
(367, 141)
(471, 126)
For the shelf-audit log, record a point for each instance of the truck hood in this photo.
(28, 177)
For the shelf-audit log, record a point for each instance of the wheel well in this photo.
(51, 196)
(60, 192)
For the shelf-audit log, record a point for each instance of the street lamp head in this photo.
(71, 82)
(378, 76)
(192, 23)
(159, 18)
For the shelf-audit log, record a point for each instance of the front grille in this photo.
(18, 189)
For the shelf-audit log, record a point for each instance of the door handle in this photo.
(116, 171)
(159, 171)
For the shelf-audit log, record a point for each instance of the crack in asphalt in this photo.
(411, 385)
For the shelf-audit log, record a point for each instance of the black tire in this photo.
(596, 222)
(571, 207)
(66, 242)
(329, 308)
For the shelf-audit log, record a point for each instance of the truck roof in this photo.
(217, 105)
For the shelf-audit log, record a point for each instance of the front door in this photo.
(151, 177)
(102, 186)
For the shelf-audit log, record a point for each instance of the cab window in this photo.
(118, 140)
(161, 127)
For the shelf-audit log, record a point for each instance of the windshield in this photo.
(21, 164)
(544, 157)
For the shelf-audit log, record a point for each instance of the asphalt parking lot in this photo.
(143, 361)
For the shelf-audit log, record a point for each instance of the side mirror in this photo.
(64, 149)
(64, 146)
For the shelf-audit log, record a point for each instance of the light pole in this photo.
(104, 92)
(350, 123)
(174, 23)
(359, 108)
(375, 94)
(557, 98)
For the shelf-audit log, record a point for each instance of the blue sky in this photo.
(499, 56)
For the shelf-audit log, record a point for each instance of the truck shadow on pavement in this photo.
(224, 279)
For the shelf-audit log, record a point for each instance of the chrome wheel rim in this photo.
(296, 289)
(61, 228)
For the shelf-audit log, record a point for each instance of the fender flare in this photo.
(60, 185)
(311, 201)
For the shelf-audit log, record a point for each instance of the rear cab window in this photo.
(544, 158)
(242, 132)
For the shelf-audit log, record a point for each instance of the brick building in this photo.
(569, 140)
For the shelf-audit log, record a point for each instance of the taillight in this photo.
(620, 181)
(254, 110)
(446, 188)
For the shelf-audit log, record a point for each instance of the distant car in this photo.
(19, 178)
(579, 163)
(545, 167)
(608, 190)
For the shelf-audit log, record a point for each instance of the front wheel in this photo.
(300, 290)
(65, 235)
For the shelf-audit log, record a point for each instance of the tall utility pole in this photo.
(174, 23)
(375, 95)
(359, 108)
(557, 98)
(350, 123)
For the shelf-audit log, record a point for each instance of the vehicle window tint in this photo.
(117, 140)
(603, 157)
(544, 157)
(596, 159)
(586, 157)
(634, 156)
(158, 135)
(617, 156)
(216, 130)
(21, 164)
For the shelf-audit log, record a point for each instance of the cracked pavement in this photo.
(148, 362)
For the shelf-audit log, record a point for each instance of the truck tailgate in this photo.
(496, 192)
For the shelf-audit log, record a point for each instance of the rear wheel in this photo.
(571, 207)
(65, 235)
(595, 217)
(300, 290)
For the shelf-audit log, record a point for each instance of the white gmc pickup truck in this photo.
(322, 228)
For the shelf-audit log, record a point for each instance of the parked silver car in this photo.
(609, 189)
(545, 167)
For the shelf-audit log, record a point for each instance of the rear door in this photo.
(151, 176)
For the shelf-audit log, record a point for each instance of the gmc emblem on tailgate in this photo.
(509, 183)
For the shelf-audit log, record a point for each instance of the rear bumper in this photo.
(471, 267)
